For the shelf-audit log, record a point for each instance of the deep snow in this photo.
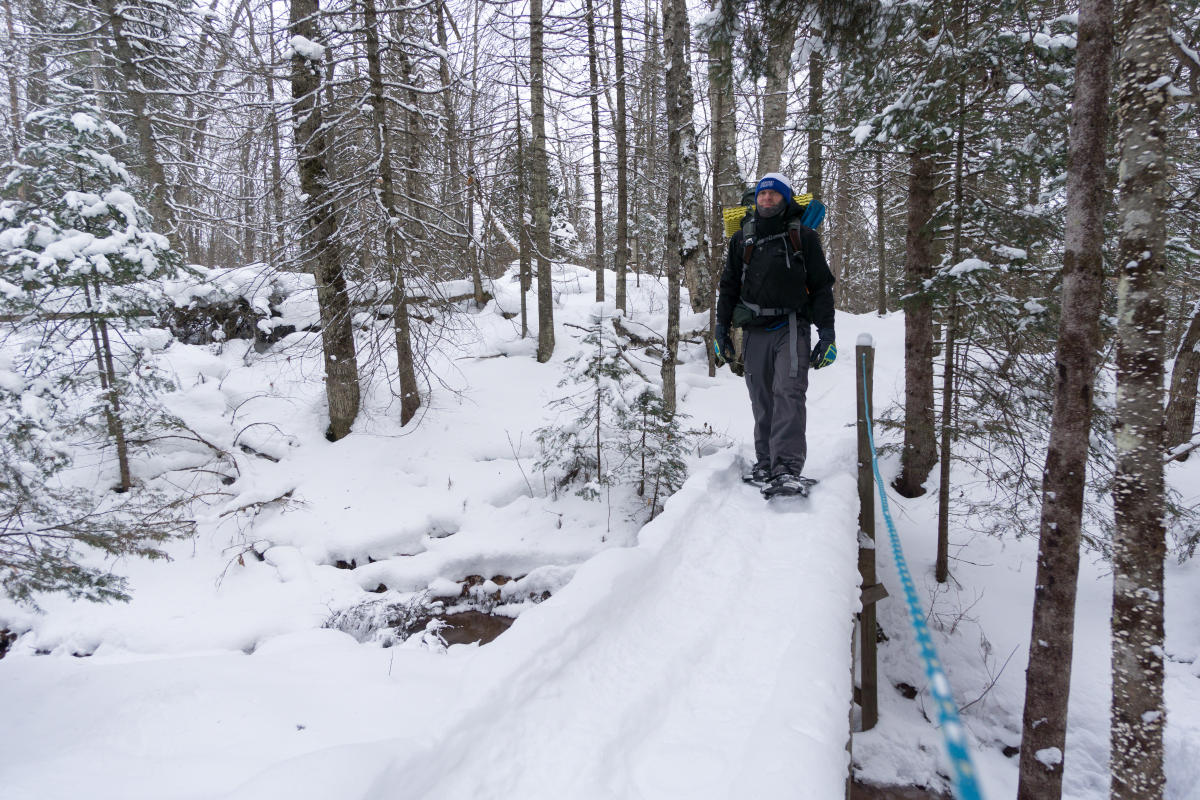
(706, 654)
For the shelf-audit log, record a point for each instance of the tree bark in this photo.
(881, 241)
(1051, 643)
(278, 206)
(727, 186)
(36, 87)
(597, 183)
(942, 562)
(319, 228)
(780, 24)
(674, 14)
(816, 125)
(410, 396)
(474, 249)
(152, 170)
(14, 102)
(621, 134)
(726, 180)
(919, 453)
(840, 245)
(523, 222)
(1139, 542)
(693, 263)
(1181, 403)
(451, 143)
(541, 193)
(102, 349)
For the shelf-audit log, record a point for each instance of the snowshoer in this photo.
(775, 285)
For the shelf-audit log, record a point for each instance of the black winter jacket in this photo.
(818, 278)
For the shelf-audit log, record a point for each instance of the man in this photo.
(776, 285)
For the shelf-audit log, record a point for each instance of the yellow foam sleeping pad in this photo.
(733, 216)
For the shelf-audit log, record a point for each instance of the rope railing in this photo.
(953, 732)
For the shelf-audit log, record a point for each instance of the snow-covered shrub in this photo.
(616, 430)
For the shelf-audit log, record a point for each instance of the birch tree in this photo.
(1139, 543)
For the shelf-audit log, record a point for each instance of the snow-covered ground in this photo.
(706, 654)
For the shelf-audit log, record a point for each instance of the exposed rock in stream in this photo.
(474, 609)
(7, 638)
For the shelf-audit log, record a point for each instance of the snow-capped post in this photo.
(872, 590)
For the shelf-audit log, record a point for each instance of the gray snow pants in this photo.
(776, 399)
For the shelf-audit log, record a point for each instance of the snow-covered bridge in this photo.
(712, 660)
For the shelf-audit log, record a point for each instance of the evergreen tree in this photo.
(78, 265)
(618, 430)
(583, 450)
(656, 442)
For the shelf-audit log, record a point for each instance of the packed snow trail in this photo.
(710, 661)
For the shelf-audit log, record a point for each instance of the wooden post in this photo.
(872, 590)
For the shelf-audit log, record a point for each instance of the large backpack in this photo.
(814, 213)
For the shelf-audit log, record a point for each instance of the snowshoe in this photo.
(759, 476)
(788, 486)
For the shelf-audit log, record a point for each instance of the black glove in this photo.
(723, 346)
(825, 353)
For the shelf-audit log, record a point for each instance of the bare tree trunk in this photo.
(674, 15)
(541, 193)
(14, 101)
(277, 196)
(1048, 677)
(597, 184)
(319, 229)
(410, 396)
(451, 143)
(1181, 405)
(693, 263)
(474, 250)
(151, 168)
(1139, 542)
(881, 239)
(36, 87)
(816, 122)
(523, 223)
(840, 249)
(727, 188)
(920, 445)
(727, 191)
(942, 563)
(102, 349)
(192, 141)
(622, 254)
(780, 24)
(249, 248)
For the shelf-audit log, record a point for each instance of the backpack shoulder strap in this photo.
(794, 235)
(747, 243)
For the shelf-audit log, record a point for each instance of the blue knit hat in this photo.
(776, 181)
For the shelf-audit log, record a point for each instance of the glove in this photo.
(825, 353)
(723, 346)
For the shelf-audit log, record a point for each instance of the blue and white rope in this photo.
(955, 735)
